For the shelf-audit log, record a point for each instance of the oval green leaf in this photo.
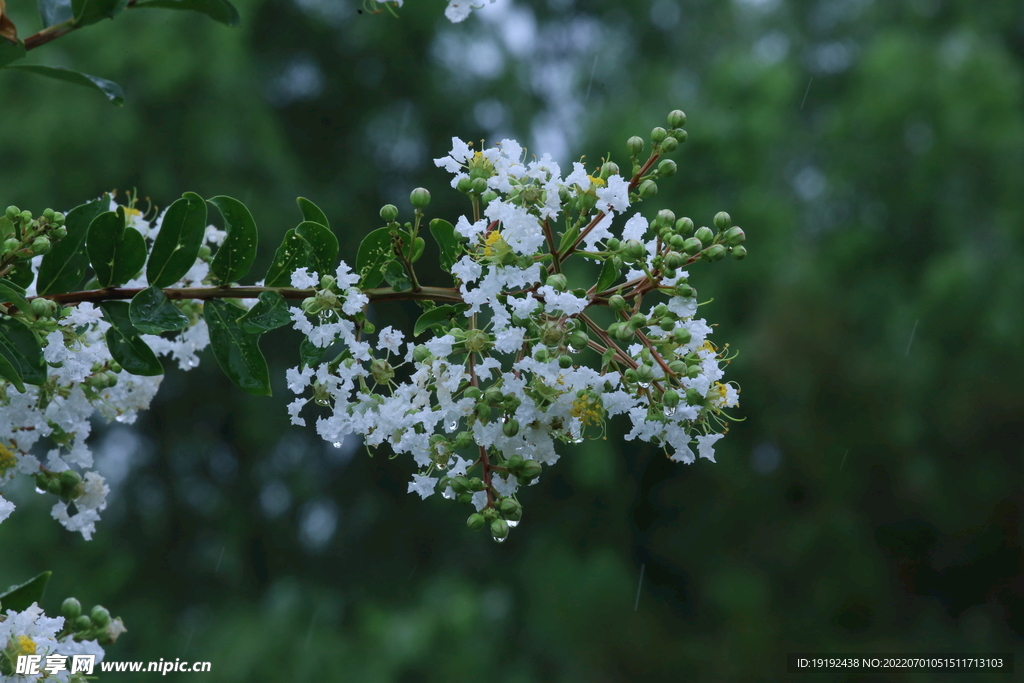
(374, 253)
(117, 252)
(112, 91)
(448, 240)
(324, 245)
(235, 256)
(436, 316)
(312, 212)
(15, 294)
(125, 345)
(295, 252)
(151, 312)
(218, 10)
(177, 246)
(269, 313)
(609, 274)
(22, 350)
(64, 267)
(20, 598)
(237, 352)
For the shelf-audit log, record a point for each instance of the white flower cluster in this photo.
(31, 632)
(457, 10)
(45, 429)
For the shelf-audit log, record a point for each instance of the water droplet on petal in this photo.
(669, 411)
(573, 349)
(453, 425)
(512, 523)
(192, 362)
(336, 444)
(122, 419)
(447, 494)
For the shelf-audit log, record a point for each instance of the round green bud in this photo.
(670, 398)
(58, 218)
(613, 244)
(692, 246)
(476, 484)
(565, 361)
(420, 198)
(381, 371)
(464, 185)
(389, 212)
(493, 396)
(111, 379)
(694, 397)
(475, 521)
(464, 498)
(667, 324)
(311, 305)
(669, 273)
(71, 609)
(579, 339)
(637, 321)
(26, 216)
(509, 506)
(681, 335)
(648, 189)
(83, 623)
(722, 220)
(472, 392)
(483, 412)
(716, 252)
(635, 145)
(665, 234)
(624, 333)
(644, 374)
(674, 259)
(43, 308)
(69, 479)
(704, 235)
(514, 463)
(59, 233)
(100, 616)
(510, 428)
(679, 135)
(693, 371)
(479, 185)
(667, 168)
(676, 119)
(204, 252)
(677, 242)
(634, 249)
(658, 134)
(739, 253)
(11, 245)
(608, 169)
(542, 355)
(12, 212)
(617, 302)
(464, 440)
(48, 214)
(684, 290)
(499, 529)
(460, 484)
(531, 469)
(734, 236)
(669, 145)
(420, 353)
(678, 367)
(630, 375)
(684, 226)
(666, 217)
(558, 281)
(478, 341)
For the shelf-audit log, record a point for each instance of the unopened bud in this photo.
(475, 521)
(11, 245)
(648, 189)
(669, 145)
(666, 217)
(420, 198)
(716, 252)
(667, 168)
(617, 302)
(692, 246)
(558, 281)
(635, 145)
(734, 236)
(389, 212)
(100, 616)
(658, 134)
(722, 220)
(681, 335)
(676, 119)
(565, 361)
(71, 609)
(704, 234)
(670, 398)
(499, 528)
(608, 169)
(510, 428)
(613, 244)
(739, 253)
(12, 212)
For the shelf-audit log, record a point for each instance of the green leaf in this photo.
(112, 91)
(269, 313)
(309, 353)
(10, 373)
(90, 11)
(22, 350)
(295, 252)
(237, 352)
(374, 253)
(15, 294)
(448, 241)
(324, 244)
(568, 237)
(151, 312)
(10, 51)
(396, 276)
(177, 244)
(235, 256)
(312, 212)
(218, 10)
(609, 274)
(21, 274)
(6, 228)
(124, 343)
(54, 12)
(64, 267)
(436, 316)
(20, 598)
(116, 251)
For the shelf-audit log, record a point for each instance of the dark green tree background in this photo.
(871, 501)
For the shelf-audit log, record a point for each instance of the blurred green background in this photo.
(871, 501)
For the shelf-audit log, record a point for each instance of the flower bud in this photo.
(381, 371)
(464, 185)
(204, 252)
(684, 226)
(493, 396)
(83, 623)
(667, 324)
(674, 259)
(531, 469)
(499, 529)
(677, 242)
(624, 332)
(667, 168)
(630, 375)
(716, 252)
(12, 212)
(704, 235)
(71, 609)
(475, 521)
(679, 135)
(476, 484)
(11, 245)
(58, 219)
(389, 212)
(666, 217)
(634, 249)
(48, 215)
(684, 290)
(694, 397)
(692, 245)
(478, 341)
(509, 506)
(542, 355)
(644, 374)
(472, 392)
(637, 321)
(676, 119)
(420, 198)
(678, 367)
(658, 135)
(734, 236)
(565, 361)
(558, 281)
(479, 185)
(510, 428)
(613, 244)
(489, 196)
(681, 335)
(648, 189)
(69, 479)
(608, 169)
(464, 440)
(739, 253)
(617, 302)
(44, 308)
(311, 305)
(420, 353)
(579, 339)
(59, 233)
(464, 498)
(100, 616)
(722, 220)
(670, 398)
(460, 484)
(669, 273)
(26, 216)
(635, 145)
(693, 371)
(669, 145)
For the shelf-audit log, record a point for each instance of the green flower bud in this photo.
(693, 397)
(464, 440)
(514, 463)
(204, 252)
(59, 233)
(48, 215)
(704, 235)
(722, 220)
(608, 169)
(43, 308)
(472, 392)
(667, 324)
(558, 281)
(670, 398)
(739, 253)
(624, 332)
(648, 189)
(637, 321)
(58, 219)
(389, 212)
(475, 521)
(115, 366)
(669, 145)
(69, 479)
(669, 272)
(11, 245)
(71, 609)
(679, 135)
(676, 119)
(510, 428)
(476, 484)
(734, 236)
(677, 242)
(674, 259)
(12, 212)
(311, 305)
(420, 353)
(531, 469)
(634, 249)
(716, 252)
(111, 379)
(635, 145)
(658, 135)
(630, 375)
(666, 217)
(667, 168)
(617, 302)
(579, 339)
(464, 498)
(478, 341)
(684, 226)
(542, 355)
(479, 185)
(565, 361)
(644, 374)
(684, 290)
(420, 198)
(509, 506)
(489, 196)
(493, 396)
(464, 185)
(693, 371)
(100, 616)
(82, 623)
(483, 412)
(681, 335)
(612, 244)
(678, 367)
(499, 529)
(692, 246)
(460, 484)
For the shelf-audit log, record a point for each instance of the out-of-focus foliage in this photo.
(874, 154)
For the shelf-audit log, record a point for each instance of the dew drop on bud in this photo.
(573, 349)
(500, 540)
(669, 411)
(644, 385)
(512, 523)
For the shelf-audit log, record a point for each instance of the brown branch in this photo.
(202, 293)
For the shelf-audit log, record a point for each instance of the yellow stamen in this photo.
(26, 646)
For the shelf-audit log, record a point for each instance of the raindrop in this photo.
(123, 419)
(575, 438)
(669, 411)
(512, 523)
(448, 494)
(500, 540)
(39, 490)
(324, 316)
(336, 444)
(644, 385)
(573, 349)
(192, 362)
(323, 401)
(453, 425)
